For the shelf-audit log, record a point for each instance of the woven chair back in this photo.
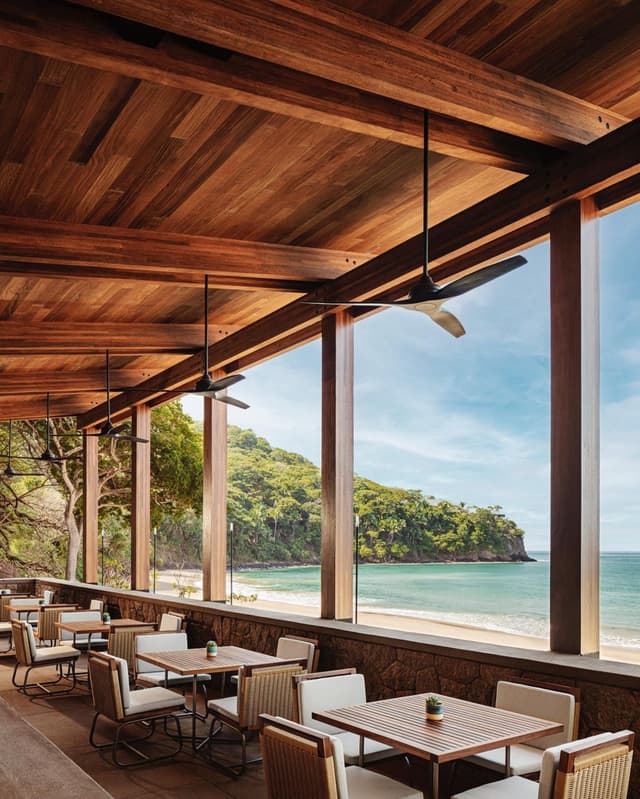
(47, 618)
(105, 686)
(170, 622)
(600, 771)
(20, 634)
(266, 689)
(297, 763)
(122, 643)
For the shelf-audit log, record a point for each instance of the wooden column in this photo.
(575, 417)
(336, 601)
(214, 502)
(90, 508)
(140, 498)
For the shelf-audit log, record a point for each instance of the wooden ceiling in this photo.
(276, 147)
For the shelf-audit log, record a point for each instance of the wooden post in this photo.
(575, 416)
(90, 507)
(140, 498)
(214, 502)
(336, 601)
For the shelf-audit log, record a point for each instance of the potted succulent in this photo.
(106, 618)
(212, 649)
(434, 708)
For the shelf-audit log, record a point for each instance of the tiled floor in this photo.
(66, 721)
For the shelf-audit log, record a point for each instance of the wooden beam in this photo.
(154, 252)
(90, 508)
(589, 170)
(175, 278)
(33, 407)
(140, 499)
(18, 383)
(348, 48)
(94, 337)
(214, 502)
(91, 39)
(336, 572)
(575, 415)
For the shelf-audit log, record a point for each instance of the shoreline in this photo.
(459, 631)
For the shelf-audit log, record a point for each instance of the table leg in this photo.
(194, 710)
(507, 761)
(435, 779)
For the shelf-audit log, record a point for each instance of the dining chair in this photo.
(114, 701)
(592, 768)
(81, 640)
(300, 761)
(328, 689)
(262, 688)
(48, 633)
(294, 648)
(532, 701)
(48, 596)
(6, 632)
(5, 601)
(122, 643)
(171, 622)
(96, 604)
(16, 615)
(148, 675)
(31, 657)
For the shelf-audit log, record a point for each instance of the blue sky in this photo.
(468, 419)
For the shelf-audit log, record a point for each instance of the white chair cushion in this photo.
(365, 784)
(290, 648)
(45, 653)
(170, 623)
(123, 674)
(326, 693)
(226, 706)
(524, 759)
(512, 788)
(148, 700)
(158, 642)
(5, 626)
(157, 677)
(340, 769)
(373, 750)
(32, 641)
(81, 615)
(541, 703)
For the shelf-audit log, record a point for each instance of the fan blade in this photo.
(363, 303)
(226, 382)
(479, 278)
(117, 430)
(447, 321)
(125, 437)
(232, 401)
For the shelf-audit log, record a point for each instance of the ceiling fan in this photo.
(426, 296)
(9, 471)
(108, 429)
(205, 386)
(47, 455)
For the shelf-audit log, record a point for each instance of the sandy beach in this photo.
(166, 584)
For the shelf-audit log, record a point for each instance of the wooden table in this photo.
(97, 626)
(191, 662)
(466, 729)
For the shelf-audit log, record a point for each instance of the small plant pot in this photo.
(434, 711)
(212, 650)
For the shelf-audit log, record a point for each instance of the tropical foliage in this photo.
(274, 504)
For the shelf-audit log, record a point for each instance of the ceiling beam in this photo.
(329, 42)
(593, 168)
(91, 39)
(57, 381)
(17, 338)
(35, 407)
(158, 254)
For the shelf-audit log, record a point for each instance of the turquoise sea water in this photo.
(512, 597)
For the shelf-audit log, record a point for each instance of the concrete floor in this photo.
(66, 721)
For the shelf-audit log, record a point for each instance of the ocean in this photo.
(508, 597)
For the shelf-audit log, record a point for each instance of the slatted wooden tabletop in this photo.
(98, 626)
(466, 729)
(195, 661)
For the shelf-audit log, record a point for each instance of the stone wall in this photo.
(396, 663)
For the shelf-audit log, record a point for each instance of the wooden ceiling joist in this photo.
(90, 39)
(110, 249)
(58, 381)
(94, 337)
(345, 47)
(592, 169)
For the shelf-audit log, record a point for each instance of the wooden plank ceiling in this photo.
(274, 147)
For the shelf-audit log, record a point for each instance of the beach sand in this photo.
(461, 632)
